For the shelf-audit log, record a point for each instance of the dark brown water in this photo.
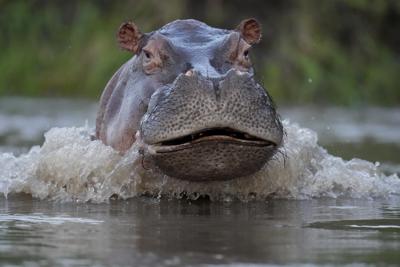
(148, 232)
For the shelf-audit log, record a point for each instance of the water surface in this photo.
(149, 232)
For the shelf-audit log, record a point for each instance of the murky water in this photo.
(149, 232)
(330, 211)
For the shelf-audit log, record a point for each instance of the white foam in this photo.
(70, 167)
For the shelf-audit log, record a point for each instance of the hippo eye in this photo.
(246, 53)
(147, 54)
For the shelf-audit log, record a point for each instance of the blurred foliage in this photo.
(326, 52)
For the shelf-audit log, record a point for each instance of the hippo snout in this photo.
(201, 128)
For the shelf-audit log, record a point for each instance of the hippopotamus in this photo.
(190, 95)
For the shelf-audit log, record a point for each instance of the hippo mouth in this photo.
(220, 135)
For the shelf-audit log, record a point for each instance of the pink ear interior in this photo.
(250, 29)
(128, 37)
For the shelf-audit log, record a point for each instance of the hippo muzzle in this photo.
(203, 129)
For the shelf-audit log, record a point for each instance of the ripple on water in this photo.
(387, 225)
(38, 218)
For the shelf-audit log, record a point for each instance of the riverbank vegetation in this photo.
(326, 52)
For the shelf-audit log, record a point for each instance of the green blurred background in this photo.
(342, 52)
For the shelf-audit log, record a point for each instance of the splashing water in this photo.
(71, 167)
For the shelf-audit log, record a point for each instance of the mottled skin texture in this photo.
(189, 93)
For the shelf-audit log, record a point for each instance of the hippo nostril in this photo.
(189, 73)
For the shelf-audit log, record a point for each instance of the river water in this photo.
(68, 201)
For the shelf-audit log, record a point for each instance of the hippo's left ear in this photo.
(250, 30)
(129, 36)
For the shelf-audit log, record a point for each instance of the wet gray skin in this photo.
(190, 96)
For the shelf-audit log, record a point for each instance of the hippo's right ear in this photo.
(129, 36)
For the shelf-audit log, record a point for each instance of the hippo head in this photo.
(204, 116)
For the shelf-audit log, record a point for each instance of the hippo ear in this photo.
(128, 36)
(250, 29)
